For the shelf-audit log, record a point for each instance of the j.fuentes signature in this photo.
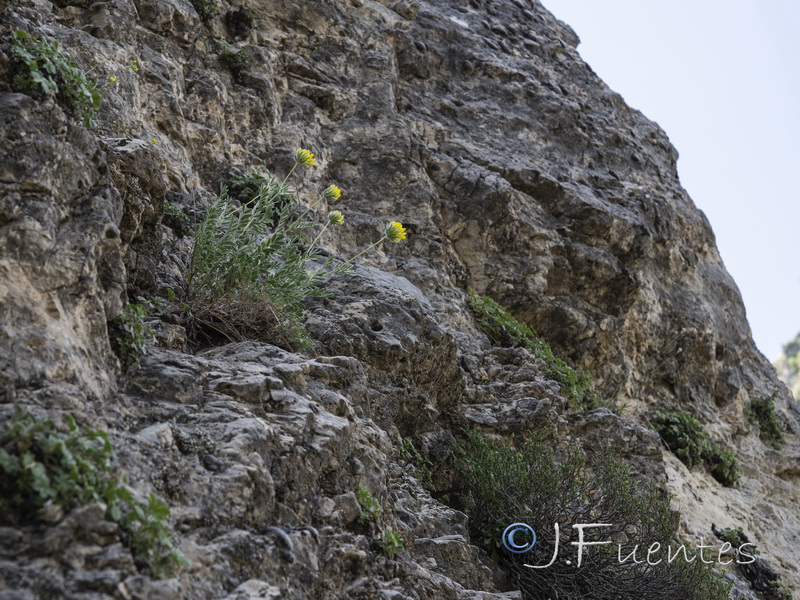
(520, 538)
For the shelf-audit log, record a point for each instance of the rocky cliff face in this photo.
(518, 173)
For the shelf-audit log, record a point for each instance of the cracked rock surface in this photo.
(518, 174)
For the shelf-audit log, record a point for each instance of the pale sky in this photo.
(722, 78)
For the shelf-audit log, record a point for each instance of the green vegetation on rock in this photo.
(422, 465)
(131, 331)
(43, 68)
(506, 483)
(503, 328)
(207, 9)
(253, 265)
(686, 438)
(763, 412)
(245, 187)
(392, 543)
(41, 465)
(237, 61)
(249, 271)
(731, 535)
(371, 510)
(175, 212)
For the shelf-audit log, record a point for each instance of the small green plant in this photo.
(683, 434)
(763, 412)
(207, 9)
(504, 329)
(392, 543)
(722, 465)
(686, 438)
(134, 333)
(371, 510)
(175, 212)
(730, 535)
(760, 574)
(150, 537)
(40, 464)
(253, 264)
(505, 483)
(245, 187)
(43, 68)
(422, 465)
(784, 593)
(238, 61)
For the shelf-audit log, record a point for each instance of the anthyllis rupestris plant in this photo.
(303, 157)
(394, 232)
(335, 218)
(255, 260)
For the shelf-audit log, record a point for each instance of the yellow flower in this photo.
(332, 192)
(395, 231)
(304, 157)
(133, 65)
(154, 141)
(335, 217)
(112, 79)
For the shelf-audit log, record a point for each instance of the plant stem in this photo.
(349, 260)
(305, 212)
(289, 174)
(319, 235)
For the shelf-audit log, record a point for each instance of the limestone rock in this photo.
(518, 174)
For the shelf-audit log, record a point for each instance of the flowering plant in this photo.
(250, 260)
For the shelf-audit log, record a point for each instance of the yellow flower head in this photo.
(395, 231)
(112, 79)
(154, 141)
(304, 157)
(332, 192)
(335, 217)
(133, 65)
